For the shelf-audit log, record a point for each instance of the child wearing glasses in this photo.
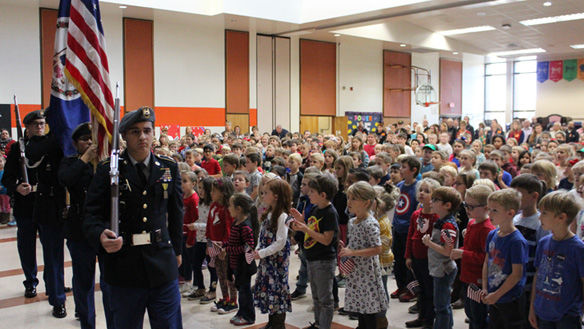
(444, 238)
(473, 253)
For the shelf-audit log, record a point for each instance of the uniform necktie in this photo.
(141, 168)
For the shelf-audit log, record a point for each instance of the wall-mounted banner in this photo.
(570, 69)
(371, 120)
(543, 71)
(581, 69)
(556, 70)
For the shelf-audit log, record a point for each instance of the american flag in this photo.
(213, 250)
(413, 287)
(346, 265)
(449, 236)
(83, 62)
(248, 254)
(474, 293)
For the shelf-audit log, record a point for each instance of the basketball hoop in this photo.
(424, 93)
(427, 104)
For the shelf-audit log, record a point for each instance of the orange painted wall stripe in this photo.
(24, 110)
(253, 118)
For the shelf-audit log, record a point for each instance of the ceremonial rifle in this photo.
(22, 159)
(114, 165)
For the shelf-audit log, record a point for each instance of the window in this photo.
(524, 89)
(495, 91)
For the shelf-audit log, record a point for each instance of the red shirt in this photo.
(218, 223)
(191, 210)
(473, 255)
(420, 224)
(211, 166)
(370, 149)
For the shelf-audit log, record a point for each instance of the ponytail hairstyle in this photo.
(225, 186)
(282, 190)
(247, 206)
(205, 193)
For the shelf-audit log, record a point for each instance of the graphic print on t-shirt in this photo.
(313, 225)
(549, 277)
(495, 267)
(423, 224)
(403, 204)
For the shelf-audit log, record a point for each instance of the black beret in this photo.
(32, 116)
(142, 114)
(81, 130)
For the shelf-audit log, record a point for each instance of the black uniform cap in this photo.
(81, 130)
(34, 115)
(142, 114)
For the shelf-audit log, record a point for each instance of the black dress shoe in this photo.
(30, 292)
(417, 323)
(67, 289)
(59, 311)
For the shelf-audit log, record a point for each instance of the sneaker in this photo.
(241, 322)
(343, 312)
(12, 222)
(228, 307)
(186, 293)
(417, 323)
(414, 309)
(407, 297)
(216, 305)
(185, 287)
(311, 326)
(208, 298)
(396, 293)
(297, 295)
(196, 294)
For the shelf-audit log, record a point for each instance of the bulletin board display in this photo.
(371, 120)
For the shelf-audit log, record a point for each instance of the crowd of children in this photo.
(490, 224)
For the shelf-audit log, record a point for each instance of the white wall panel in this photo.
(264, 83)
(282, 82)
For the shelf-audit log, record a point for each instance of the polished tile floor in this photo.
(18, 312)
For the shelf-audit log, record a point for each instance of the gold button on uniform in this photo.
(145, 206)
(144, 219)
(144, 193)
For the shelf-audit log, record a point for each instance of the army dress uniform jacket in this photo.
(45, 204)
(155, 209)
(76, 176)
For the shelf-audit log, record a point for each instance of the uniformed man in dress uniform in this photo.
(141, 262)
(40, 202)
(76, 173)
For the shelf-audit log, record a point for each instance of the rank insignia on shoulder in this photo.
(167, 176)
(166, 157)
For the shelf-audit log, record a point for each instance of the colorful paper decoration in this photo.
(369, 119)
(581, 69)
(570, 69)
(543, 71)
(556, 70)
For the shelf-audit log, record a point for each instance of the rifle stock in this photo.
(114, 166)
(20, 134)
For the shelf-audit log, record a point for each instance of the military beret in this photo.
(32, 116)
(81, 130)
(142, 114)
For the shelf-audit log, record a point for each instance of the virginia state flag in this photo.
(80, 88)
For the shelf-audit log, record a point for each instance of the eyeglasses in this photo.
(472, 207)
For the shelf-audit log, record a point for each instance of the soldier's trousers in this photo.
(52, 240)
(26, 243)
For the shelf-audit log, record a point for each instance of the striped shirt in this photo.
(240, 237)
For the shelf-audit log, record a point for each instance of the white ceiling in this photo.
(413, 22)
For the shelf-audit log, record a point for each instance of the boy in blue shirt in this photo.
(505, 263)
(559, 279)
(405, 207)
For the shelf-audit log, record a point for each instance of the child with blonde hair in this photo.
(547, 172)
(364, 293)
(449, 175)
(468, 161)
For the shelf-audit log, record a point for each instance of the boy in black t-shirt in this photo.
(320, 247)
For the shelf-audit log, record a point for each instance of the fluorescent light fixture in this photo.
(337, 34)
(526, 58)
(455, 53)
(580, 46)
(518, 52)
(403, 45)
(547, 3)
(473, 29)
(553, 19)
(123, 7)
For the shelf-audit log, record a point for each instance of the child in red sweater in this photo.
(218, 226)
(416, 254)
(473, 253)
(191, 214)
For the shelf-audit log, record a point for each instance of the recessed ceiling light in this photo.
(403, 45)
(337, 35)
(580, 46)
(518, 52)
(553, 19)
(123, 7)
(473, 29)
(547, 3)
(455, 53)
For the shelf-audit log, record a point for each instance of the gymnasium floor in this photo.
(18, 312)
